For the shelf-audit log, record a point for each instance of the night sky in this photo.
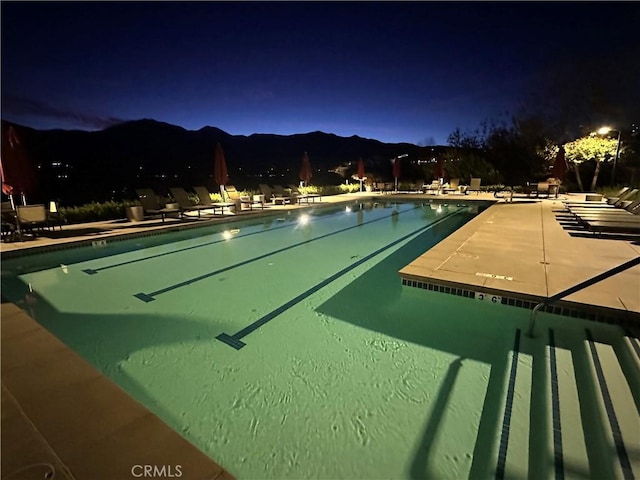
(397, 72)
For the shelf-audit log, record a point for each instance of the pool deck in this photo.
(59, 413)
(521, 250)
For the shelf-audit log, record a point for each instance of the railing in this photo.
(580, 286)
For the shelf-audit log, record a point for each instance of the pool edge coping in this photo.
(41, 414)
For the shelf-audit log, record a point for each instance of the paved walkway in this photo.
(59, 413)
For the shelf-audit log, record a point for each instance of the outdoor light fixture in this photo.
(304, 219)
(604, 131)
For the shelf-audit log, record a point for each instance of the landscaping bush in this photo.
(345, 188)
(95, 211)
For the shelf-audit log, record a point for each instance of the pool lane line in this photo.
(558, 459)
(623, 457)
(506, 420)
(149, 297)
(93, 271)
(235, 339)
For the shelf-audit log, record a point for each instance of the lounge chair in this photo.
(240, 200)
(541, 188)
(280, 191)
(630, 212)
(433, 188)
(180, 195)
(474, 186)
(270, 195)
(152, 206)
(298, 196)
(623, 194)
(204, 199)
(616, 202)
(453, 187)
(613, 226)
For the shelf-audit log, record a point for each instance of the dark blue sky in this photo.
(397, 72)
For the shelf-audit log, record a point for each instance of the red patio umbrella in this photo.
(18, 175)
(305, 169)
(220, 169)
(360, 171)
(560, 166)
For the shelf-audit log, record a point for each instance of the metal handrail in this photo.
(587, 283)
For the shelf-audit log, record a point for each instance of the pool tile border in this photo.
(567, 309)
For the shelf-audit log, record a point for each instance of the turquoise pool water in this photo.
(286, 347)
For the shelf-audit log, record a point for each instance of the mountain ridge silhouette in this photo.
(76, 166)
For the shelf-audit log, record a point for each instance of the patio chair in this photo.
(270, 195)
(54, 216)
(204, 198)
(152, 206)
(31, 219)
(454, 183)
(241, 200)
(9, 222)
(474, 186)
(433, 187)
(280, 192)
(180, 195)
(541, 188)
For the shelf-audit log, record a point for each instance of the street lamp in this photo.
(396, 167)
(604, 131)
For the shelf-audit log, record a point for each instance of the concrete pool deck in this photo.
(44, 384)
(522, 250)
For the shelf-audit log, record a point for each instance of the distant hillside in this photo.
(77, 166)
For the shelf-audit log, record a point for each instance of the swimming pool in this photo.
(286, 346)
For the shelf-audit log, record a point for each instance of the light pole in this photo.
(396, 167)
(604, 131)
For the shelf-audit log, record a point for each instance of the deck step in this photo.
(517, 464)
(632, 344)
(567, 440)
(628, 351)
(513, 435)
(617, 407)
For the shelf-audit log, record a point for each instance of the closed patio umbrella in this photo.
(220, 174)
(18, 175)
(360, 171)
(305, 169)
(560, 165)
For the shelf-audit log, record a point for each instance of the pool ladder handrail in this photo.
(587, 283)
